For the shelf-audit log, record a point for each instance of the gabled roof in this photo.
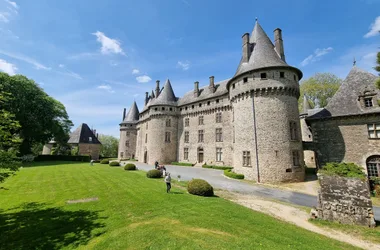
(345, 102)
(132, 115)
(82, 135)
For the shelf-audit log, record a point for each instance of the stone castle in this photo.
(250, 121)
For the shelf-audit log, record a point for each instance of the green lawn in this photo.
(132, 212)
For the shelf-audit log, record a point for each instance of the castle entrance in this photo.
(146, 157)
(200, 155)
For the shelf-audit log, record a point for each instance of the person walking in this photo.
(168, 180)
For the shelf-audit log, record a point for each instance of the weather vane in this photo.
(354, 62)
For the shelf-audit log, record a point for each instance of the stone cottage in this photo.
(86, 140)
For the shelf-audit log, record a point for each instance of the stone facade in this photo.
(250, 122)
(90, 149)
(345, 200)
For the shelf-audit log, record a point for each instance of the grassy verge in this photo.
(126, 210)
(184, 164)
(365, 233)
(217, 167)
(229, 173)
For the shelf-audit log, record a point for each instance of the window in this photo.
(186, 136)
(186, 153)
(185, 108)
(90, 139)
(127, 133)
(167, 136)
(171, 109)
(200, 120)
(218, 154)
(163, 108)
(146, 138)
(200, 104)
(373, 130)
(218, 133)
(217, 100)
(180, 109)
(233, 86)
(373, 166)
(200, 135)
(263, 75)
(192, 106)
(293, 131)
(245, 79)
(296, 158)
(282, 74)
(246, 158)
(208, 103)
(218, 117)
(187, 122)
(368, 102)
(168, 123)
(127, 144)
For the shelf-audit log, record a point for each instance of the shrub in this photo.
(217, 167)
(200, 187)
(27, 158)
(229, 173)
(185, 164)
(114, 163)
(342, 169)
(105, 161)
(130, 166)
(154, 173)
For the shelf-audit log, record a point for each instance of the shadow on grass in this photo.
(51, 163)
(35, 226)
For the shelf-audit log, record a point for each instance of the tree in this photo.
(41, 117)
(319, 89)
(110, 145)
(377, 68)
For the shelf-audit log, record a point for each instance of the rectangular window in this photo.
(186, 136)
(296, 158)
(187, 122)
(218, 117)
(219, 135)
(373, 130)
(146, 138)
(167, 136)
(372, 170)
(128, 133)
(263, 75)
(127, 144)
(186, 153)
(246, 158)
(168, 123)
(282, 74)
(368, 102)
(200, 135)
(293, 131)
(200, 120)
(245, 79)
(218, 154)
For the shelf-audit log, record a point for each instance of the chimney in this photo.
(97, 135)
(245, 50)
(94, 131)
(146, 97)
(196, 89)
(279, 45)
(125, 110)
(157, 88)
(212, 85)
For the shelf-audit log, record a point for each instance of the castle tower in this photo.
(128, 133)
(264, 92)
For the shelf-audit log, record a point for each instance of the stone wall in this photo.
(46, 150)
(90, 149)
(345, 200)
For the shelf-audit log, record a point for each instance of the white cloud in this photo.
(108, 88)
(143, 79)
(14, 4)
(4, 17)
(23, 58)
(83, 56)
(109, 45)
(113, 63)
(7, 67)
(318, 53)
(184, 65)
(61, 66)
(374, 28)
(135, 71)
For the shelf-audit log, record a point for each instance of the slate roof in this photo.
(263, 55)
(345, 102)
(132, 115)
(165, 97)
(82, 135)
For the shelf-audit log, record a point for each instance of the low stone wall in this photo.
(345, 200)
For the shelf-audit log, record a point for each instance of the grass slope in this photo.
(132, 212)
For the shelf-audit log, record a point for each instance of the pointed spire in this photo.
(167, 94)
(133, 114)
(306, 104)
(354, 62)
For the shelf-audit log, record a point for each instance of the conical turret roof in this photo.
(166, 97)
(133, 114)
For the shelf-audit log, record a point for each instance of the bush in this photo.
(229, 173)
(217, 167)
(114, 164)
(84, 158)
(200, 187)
(130, 166)
(185, 164)
(154, 173)
(105, 161)
(342, 169)
(27, 158)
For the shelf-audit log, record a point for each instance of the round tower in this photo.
(128, 133)
(266, 125)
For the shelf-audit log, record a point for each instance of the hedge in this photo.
(200, 187)
(114, 164)
(84, 158)
(105, 161)
(217, 167)
(185, 164)
(130, 166)
(342, 169)
(229, 173)
(154, 173)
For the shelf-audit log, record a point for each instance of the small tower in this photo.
(128, 134)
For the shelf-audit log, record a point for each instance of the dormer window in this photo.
(368, 102)
(263, 75)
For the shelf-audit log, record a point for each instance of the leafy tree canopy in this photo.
(110, 145)
(319, 89)
(377, 68)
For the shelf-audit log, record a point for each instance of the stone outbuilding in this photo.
(86, 140)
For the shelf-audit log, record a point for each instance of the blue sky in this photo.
(97, 56)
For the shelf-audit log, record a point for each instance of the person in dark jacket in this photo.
(168, 180)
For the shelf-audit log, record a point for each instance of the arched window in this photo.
(373, 166)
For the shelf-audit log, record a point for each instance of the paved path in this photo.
(217, 180)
